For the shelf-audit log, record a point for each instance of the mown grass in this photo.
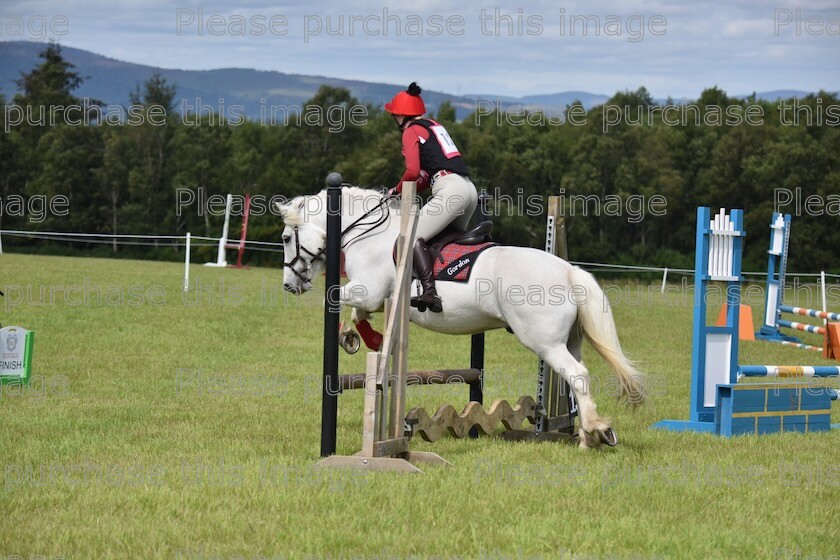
(168, 426)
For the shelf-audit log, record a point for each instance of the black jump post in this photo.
(332, 309)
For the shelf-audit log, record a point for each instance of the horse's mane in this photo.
(295, 214)
(356, 191)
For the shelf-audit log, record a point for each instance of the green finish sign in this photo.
(16, 355)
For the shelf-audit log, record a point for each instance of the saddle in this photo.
(455, 251)
(475, 236)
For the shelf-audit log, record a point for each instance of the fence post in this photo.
(329, 402)
(187, 265)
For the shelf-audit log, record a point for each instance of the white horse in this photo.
(549, 304)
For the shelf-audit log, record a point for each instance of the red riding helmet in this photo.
(407, 103)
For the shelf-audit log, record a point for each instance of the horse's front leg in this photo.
(362, 306)
(372, 337)
(350, 340)
(357, 315)
(362, 297)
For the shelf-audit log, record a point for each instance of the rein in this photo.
(373, 225)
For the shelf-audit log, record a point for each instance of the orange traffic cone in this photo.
(746, 331)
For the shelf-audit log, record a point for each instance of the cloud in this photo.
(513, 50)
(756, 29)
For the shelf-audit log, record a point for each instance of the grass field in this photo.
(160, 425)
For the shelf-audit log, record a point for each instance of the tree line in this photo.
(631, 172)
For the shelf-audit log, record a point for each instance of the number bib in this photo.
(445, 141)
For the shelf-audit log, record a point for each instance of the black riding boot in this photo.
(424, 268)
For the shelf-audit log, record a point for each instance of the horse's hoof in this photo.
(608, 437)
(349, 341)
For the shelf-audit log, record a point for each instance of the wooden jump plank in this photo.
(421, 377)
(448, 420)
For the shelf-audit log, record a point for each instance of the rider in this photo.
(431, 159)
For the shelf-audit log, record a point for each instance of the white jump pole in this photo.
(822, 292)
(187, 266)
(221, 258)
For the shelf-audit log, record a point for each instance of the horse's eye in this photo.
(287, 238)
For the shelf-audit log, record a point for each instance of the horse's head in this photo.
(363, 212)
(304, 243)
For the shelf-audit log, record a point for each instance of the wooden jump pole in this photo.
(556, 407)
(384, 444)
(559, 405)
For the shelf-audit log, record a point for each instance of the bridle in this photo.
(307, 264)
(320, 254)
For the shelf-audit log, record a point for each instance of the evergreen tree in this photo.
(149, 179)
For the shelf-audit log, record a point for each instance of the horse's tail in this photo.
(598, 327)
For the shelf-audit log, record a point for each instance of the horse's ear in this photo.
(282, 209)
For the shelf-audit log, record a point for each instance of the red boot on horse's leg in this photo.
(372, 338)
(424, 268)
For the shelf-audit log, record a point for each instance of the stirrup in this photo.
(435, 306)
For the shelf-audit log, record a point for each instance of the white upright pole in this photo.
(822, 290)
(221, 257)
(187, 266)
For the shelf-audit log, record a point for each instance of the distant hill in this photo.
(553, 103)
(112, 80)
(560, 100)
(775, 95)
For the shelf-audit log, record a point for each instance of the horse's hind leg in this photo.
(575, 346)
(593, 429)
(575, 342)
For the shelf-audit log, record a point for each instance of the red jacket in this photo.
(411, 151)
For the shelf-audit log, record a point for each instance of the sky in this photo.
(673, 48)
